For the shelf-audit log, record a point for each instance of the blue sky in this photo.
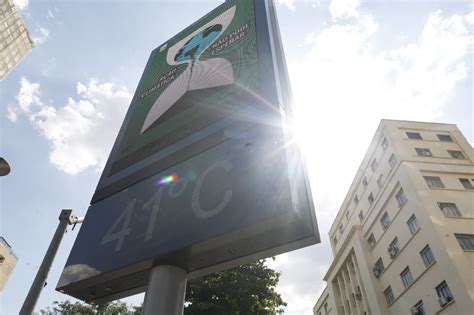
(351, 64)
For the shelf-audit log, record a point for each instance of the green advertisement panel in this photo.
(202, 75)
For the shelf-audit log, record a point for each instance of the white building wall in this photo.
(384, 179)
(15, 41)
(8, 262)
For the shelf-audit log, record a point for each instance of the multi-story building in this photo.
(403, 239)
(15, 41)
(7, 262)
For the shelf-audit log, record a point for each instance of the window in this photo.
(356, 199)
(456, 154)
(364, 182)
(444, 137)
(373, 165)
(380, 181)
(427, 256)
(449, 209)
(379, 265)
(395, 244)
(414, 135)
(389, 295)
(433, 181)
(371, 198)
(413, 224)
(392, 161)
(407, 278)
(443, 291)
(466, 183)
(401, 197)
(335, 240)
(361, 216)
(371, 240)
(352, 268)
(385, 220)
(326, 308)
(347, 215)
(384, 143)
(466, 241)
(423, 152)
(341, 228)
(420, 308)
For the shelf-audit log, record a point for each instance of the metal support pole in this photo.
(165, 292)
(65, 218)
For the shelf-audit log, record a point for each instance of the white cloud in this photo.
(296, 269)
(290, 4)
(29, 95)
(344, 8)
(12, 113)
(310, 38)
(345, 79)
(48, 66)
(21, 4)
(40, 36)
(81, 132)
(343, 87)
(50, 15)
(470, 18)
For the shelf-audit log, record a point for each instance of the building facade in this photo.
(403, 239)
(7, 262)
(15, 41)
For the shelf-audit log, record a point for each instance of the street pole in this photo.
(165, 292)
(66, 217)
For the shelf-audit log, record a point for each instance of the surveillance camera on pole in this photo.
(66, 217)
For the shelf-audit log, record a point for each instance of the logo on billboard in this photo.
(200, 74)
(192, 83)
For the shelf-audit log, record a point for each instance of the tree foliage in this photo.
(244, 290)
(247, 289)
(79, 308)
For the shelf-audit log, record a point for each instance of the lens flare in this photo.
(168, 179)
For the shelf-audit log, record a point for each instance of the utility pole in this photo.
(66, 217)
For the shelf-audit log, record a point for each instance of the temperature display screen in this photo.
(193, 215)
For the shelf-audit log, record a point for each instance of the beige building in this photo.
(15, 41)
(7, 262)
(403, 239)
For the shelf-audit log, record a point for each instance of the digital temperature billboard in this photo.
(205, 173)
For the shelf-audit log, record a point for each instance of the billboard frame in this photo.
(275, 90)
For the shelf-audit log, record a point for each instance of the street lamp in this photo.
(4, 167)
